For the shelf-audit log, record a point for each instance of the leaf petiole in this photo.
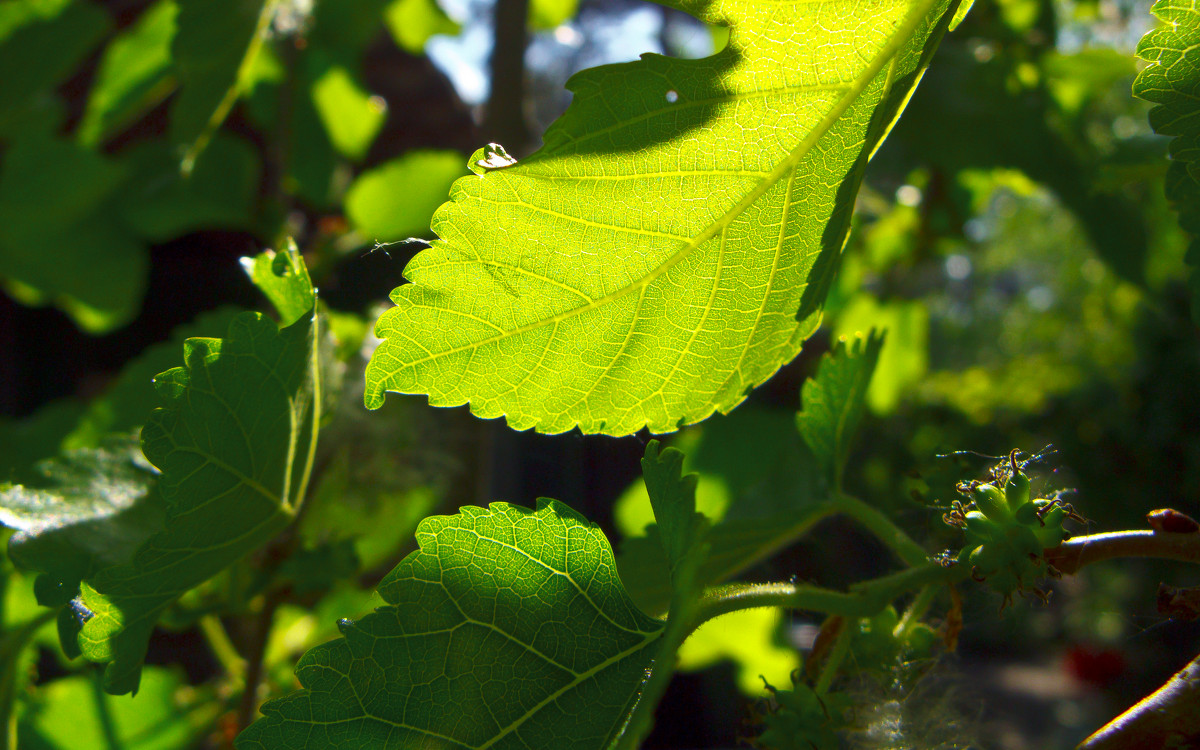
(882, 527)
(865, 599)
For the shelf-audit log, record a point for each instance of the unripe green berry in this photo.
(1027, 514)
(1052, 534)
(988, 559)
(980, 528)
(991, 501)
(1016, 492)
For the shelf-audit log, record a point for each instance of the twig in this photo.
(1168, 717)
(1085, 550)
(257, 645)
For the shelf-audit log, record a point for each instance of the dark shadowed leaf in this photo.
(235, 446)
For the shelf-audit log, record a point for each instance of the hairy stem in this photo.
(841, 647)
(916, 610)
(865, 599)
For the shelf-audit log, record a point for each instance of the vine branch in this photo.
(1075, 553)
(1166, 716)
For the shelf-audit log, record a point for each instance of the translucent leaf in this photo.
(673, 496)
(67, 716)
(412, 22)
(1172, 82)
(684, 537)
(284, 279)
(351, 116)
(397, 199)
(235, 446)
(671, 244)
(134, 74)
(41, 43)
(508, 628)
(833, 402)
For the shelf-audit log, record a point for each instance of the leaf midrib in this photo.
(897, 40)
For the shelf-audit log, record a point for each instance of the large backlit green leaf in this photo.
(235, 444)
(507, 629)
(1172, 82)
(671, 244)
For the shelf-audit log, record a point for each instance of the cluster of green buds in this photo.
(1007, 530)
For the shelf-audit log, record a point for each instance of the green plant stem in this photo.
(684, 606)
(841, 647)
(111, 739)
(11, 646)
(865, 599)
(881, 526)
(223, 648)
(916, 610)
(233, 92)
(1075, 553)
(262, 623)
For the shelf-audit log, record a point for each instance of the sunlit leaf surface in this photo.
(671, 244)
